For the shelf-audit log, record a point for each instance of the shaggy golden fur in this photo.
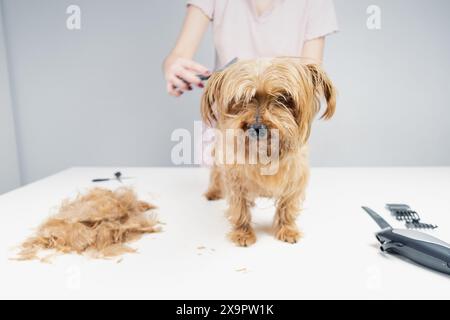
(287, 94)
(98, 224)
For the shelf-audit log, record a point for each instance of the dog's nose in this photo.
(258, 131)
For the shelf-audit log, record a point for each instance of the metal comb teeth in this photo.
(403, 212)
(406, 215)
(420, 225)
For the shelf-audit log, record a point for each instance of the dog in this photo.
(263, 96)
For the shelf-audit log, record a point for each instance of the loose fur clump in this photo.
(98, 224)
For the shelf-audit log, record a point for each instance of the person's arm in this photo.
(313, 51)
(179, 69)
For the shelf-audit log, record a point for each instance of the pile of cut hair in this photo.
(98, 224)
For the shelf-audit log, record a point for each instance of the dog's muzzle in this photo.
(258, 131)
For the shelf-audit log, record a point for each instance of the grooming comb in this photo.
(403, 212)
(229, 64)
(205, 78)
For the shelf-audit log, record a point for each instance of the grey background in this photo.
(96, 97)
(9, 169)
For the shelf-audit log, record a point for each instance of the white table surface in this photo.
(338, 257)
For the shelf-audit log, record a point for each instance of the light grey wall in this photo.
(97, 96)
(9, 169)
(393, 83)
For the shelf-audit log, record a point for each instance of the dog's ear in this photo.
(210, 96)
(323, 87)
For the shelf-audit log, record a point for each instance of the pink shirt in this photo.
(280, 31)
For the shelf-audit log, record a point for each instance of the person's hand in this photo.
(182, 74)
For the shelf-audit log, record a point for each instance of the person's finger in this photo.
(179, 83)
(197, 67)
(189, 77)
(173, 91)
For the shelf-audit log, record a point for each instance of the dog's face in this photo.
(267, 94)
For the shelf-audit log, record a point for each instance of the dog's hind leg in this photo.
(215, 189)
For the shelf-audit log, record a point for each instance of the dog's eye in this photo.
(285, 101)
(235, 108)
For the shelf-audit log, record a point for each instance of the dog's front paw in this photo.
(214, 195)
(289, 234)
(243, 237)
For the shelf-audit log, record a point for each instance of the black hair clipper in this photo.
(416, 246)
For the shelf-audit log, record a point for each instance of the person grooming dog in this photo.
(281, 94)
(248, 29)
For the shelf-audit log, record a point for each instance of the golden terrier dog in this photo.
(274, 101)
